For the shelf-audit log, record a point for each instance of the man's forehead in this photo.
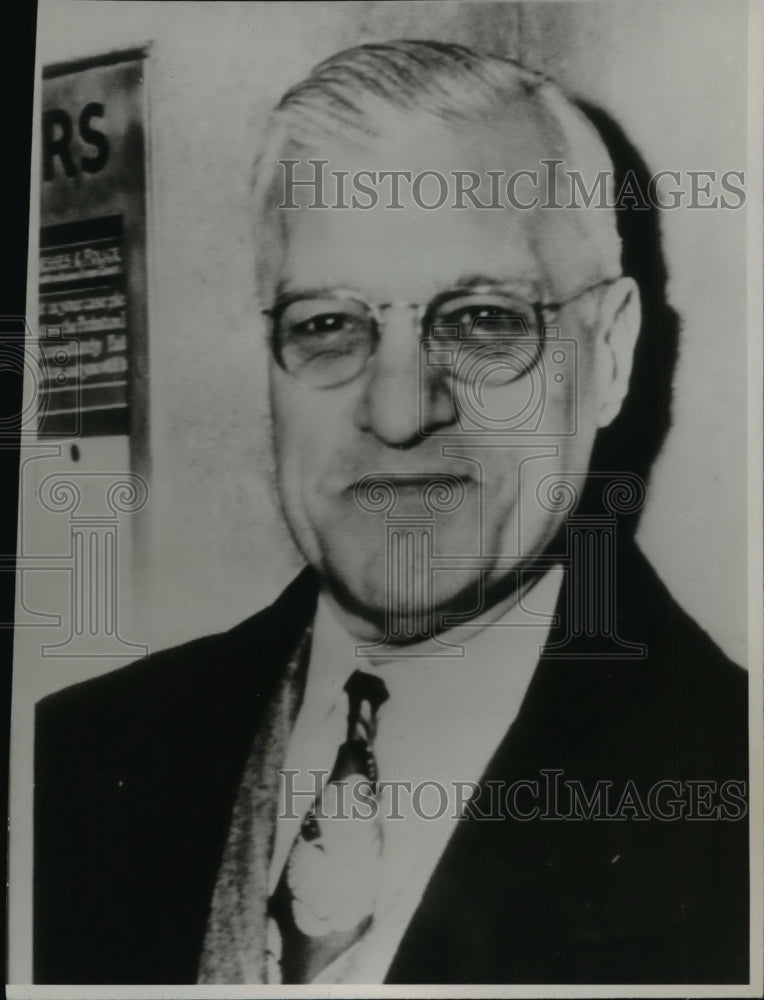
(405, 254)
(433, 200)
(521, 140)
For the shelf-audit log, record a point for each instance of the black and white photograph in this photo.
(388, 577)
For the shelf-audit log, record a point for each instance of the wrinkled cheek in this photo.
(293, 482)
(291, 434)
(558, 405)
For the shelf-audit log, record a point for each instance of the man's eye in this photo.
(488, 320)
(479, 315)
(323, 325)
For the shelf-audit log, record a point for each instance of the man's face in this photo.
(407, 420)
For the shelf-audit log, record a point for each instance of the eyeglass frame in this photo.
(425, 311)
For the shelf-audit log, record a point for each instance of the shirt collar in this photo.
(483, 652)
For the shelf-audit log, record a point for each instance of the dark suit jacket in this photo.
(137, 771)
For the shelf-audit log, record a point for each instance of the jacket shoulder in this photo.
(136, 773)
(168, 683)
(675, 632)
(704, 694)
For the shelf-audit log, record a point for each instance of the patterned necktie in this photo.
(325, 897)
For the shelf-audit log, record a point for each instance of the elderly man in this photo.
(475, 741)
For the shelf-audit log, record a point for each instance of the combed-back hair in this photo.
(352, 90)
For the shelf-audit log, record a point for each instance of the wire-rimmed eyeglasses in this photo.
(326, 338)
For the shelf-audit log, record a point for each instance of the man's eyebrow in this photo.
(474, 280)
(284, 290)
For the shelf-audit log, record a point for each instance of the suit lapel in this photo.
(245, 716)
(235, 942)
(508, 900)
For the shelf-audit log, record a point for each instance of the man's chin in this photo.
(408, 613)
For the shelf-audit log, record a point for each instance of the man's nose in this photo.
(402, 400)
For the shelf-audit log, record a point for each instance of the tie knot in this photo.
(361, 687)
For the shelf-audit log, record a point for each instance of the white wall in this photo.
(217, 547)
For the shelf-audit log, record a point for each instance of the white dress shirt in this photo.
(445, 717)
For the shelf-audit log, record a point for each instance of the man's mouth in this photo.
(438, 491)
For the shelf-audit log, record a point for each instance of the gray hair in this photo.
(360, 94)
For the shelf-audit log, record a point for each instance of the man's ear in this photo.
(618, 327)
